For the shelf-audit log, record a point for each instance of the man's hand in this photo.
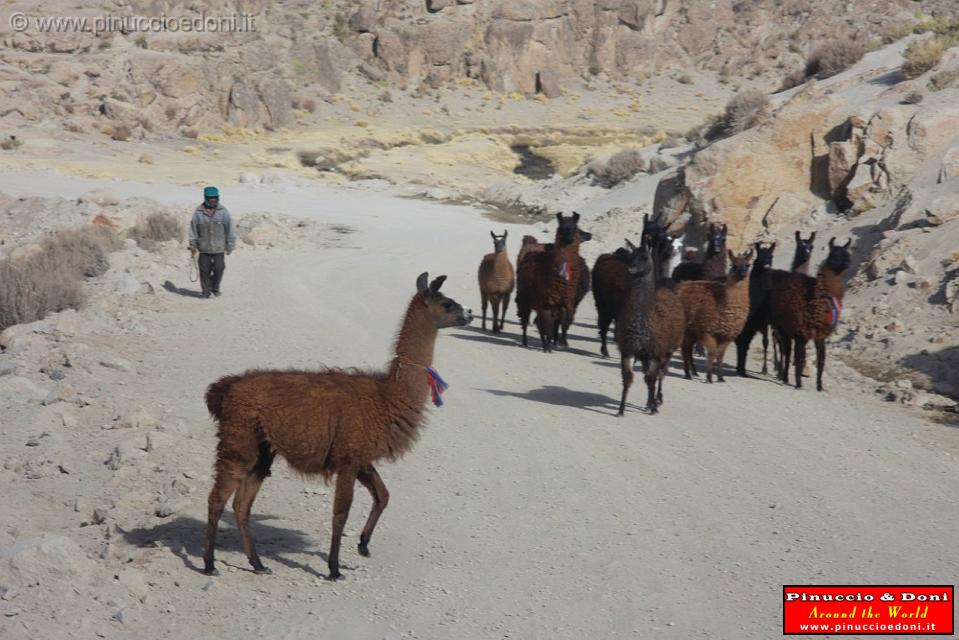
(229, 251)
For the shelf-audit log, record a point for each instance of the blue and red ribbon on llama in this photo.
(835, 309)
(564, 271)
(437, 385)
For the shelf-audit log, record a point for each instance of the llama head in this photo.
(499, 242)
(739, 265)
(716, 240)
(676, 244)
(445, 312)
(568, 231)
(839, 257)
(804, 248)
(640, 261)
(764, 256)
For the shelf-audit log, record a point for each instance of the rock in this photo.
(437, 5)
(247, 177)
(135, 582)
(19, 389)
(7, 369)
(53, 562)
(56, 374)
(950, 165)
(842, 160)
(909, 264)
(61, 393)
(660, 163)
(119, 364)
(896, 326)
(548, 83)
(952, 295)
(942, 210)
(127, 286)
(363, 19)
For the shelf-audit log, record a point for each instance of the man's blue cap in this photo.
(211, 192)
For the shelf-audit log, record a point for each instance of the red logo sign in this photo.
(874, 610)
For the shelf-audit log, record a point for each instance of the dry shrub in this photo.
(121, 133)
(617, 168)
(156, 227)
(943, 79)
(746, 110)
(921, 56)
(28, 292)
(50, 280)
(833, 57)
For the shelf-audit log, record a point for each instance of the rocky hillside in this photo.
(303, 54)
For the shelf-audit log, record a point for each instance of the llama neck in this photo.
(831, 282)
(414, 348)
(641, 295)
(800, 267)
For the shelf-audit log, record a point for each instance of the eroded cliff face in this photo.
(533, 45)
(302, 52)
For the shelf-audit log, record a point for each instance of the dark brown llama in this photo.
(803, 255)
(761, 281)
(330, 423)
(804, 308)
(649, 327)
(496, 281)
(551, 282)
(713, 266)
(715, 314)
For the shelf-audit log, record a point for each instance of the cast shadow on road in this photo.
(189, 293)
(555, 395)
(184, 537)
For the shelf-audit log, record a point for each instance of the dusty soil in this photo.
(527, 509)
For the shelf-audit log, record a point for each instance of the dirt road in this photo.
(527, 510)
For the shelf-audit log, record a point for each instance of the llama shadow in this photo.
(675, 366)
(183, 536)
(486, 336)
(561, 396)
(189, 293)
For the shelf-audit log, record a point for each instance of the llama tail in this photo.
(215, 394)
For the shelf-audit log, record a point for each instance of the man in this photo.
(211, 235)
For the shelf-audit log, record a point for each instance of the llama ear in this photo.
(585, 235)
(772, 247)
(832, 241)
(812, 236)
(798, 235)
(848, 243)
(421, 282)
(732, 256)
(756, 244)
(629, 245)
(436, 284)
(505, 233)
(724, 227)
(492, 235)
(559, 216)
(645, 219)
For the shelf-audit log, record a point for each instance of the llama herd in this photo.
(337, 423)
(660, 306)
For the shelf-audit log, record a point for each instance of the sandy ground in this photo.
(527, 510)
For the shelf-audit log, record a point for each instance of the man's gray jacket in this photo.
(212, 231)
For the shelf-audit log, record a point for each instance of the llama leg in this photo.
(709, 344)
(494, 302)
(651, 376)
(342, 501)
(223, 487)
(765, 349)
(687, 357)
(370, 479)
(502, 320)
(718, 362)
(785, 352)
(603, 323)
(799, 358)
(820, 362)
(626, 364)
(241, 508)
(742, 351)
(663, 367)
(485, 301)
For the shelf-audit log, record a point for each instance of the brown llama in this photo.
(803, 308)
(802, 258)
(551, 283)
(713, 266)
(331, 422)
(716, 313)
(649, 326)
(496, 281)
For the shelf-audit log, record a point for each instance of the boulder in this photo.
(55, 563)
(842, 161)
(950, 165)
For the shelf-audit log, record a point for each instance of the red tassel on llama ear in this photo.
(437, 386)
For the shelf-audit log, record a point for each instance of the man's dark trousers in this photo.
(212, 266)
